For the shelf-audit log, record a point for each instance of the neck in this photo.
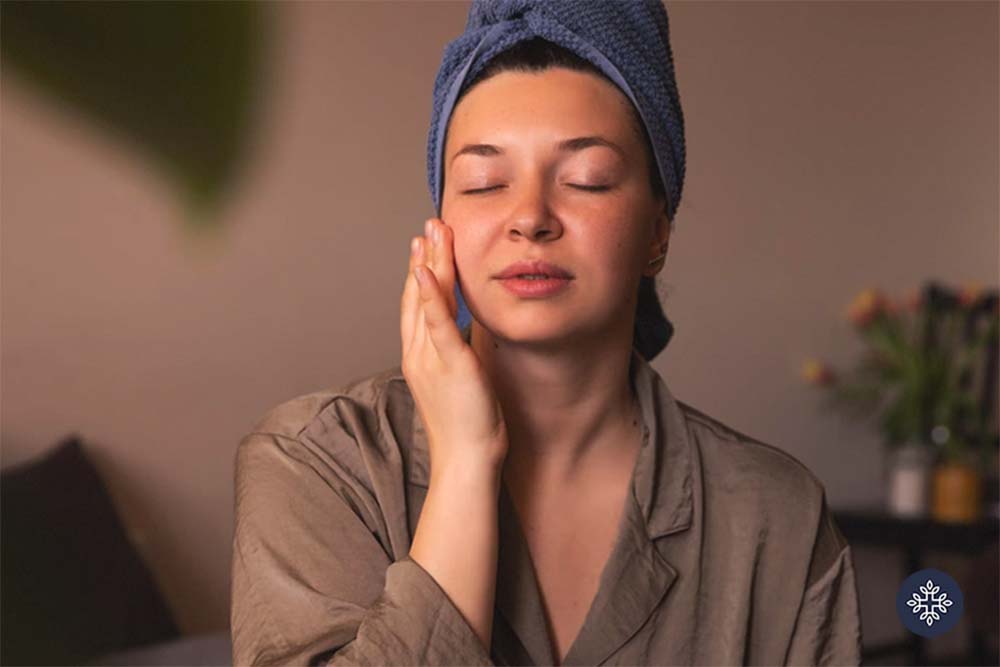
(569, 406)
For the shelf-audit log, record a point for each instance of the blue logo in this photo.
(929, 602)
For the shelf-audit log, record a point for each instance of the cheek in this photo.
(467, 248)
(618, 248)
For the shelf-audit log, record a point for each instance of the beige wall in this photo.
(832, 146)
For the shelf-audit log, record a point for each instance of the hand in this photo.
(456, 401)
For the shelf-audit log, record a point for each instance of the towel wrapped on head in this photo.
(627, 40)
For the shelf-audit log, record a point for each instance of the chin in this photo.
(535, 325)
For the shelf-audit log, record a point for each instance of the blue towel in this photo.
(628, 40)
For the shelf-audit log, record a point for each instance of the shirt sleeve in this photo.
(311, 582)
(828, 627)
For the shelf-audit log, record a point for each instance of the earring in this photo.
(658, 257)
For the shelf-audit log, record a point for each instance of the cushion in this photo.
(74, 587)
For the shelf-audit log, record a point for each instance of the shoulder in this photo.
(760, 490)
(295, 416)
(750, 473)
(350, 428)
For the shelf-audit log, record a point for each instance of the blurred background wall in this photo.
(832, 146)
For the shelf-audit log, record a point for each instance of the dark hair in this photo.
(538, 54)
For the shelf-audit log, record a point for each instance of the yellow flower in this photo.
(866, 305)
(970, 293)
(816, 372)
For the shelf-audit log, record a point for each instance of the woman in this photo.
(523, 488)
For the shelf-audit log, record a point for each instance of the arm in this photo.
(456, 540)
(311, 580)
(828, 626)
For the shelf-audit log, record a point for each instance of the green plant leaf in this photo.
(176, 80)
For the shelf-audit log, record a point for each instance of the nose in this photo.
(531, 215)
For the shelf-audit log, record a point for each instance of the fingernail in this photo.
(414, 247)
(428, 227)
(436, 234)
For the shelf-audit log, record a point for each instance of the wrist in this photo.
(476, 461)
(467, 472)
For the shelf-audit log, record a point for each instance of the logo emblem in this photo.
(929, 602)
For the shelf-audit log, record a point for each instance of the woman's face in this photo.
(518, 196)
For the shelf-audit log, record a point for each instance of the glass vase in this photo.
(957, 490)
(908, 480)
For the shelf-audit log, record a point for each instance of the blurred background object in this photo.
(179, 81)
(929, 373)
(295, 133)
(73, 585)
(914, 543)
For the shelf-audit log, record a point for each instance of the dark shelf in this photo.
(874, 526)
(914, 537)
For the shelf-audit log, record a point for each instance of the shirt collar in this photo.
(636, 577)
(663, 473)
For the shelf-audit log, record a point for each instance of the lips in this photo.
(534, 268)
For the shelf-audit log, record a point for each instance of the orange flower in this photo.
(816, 372)
(866, 306)
(970, 293)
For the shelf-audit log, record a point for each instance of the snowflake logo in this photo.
(929, 604)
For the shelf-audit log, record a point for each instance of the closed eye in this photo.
(587, 188)
(473, 192)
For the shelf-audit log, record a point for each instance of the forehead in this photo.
(555, 101)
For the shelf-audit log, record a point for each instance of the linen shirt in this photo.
(726, 552)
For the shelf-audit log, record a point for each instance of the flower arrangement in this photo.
(929, 371)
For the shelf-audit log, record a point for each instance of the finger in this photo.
(427, 261)
(430, 245)
(410, 289)
(447, 271)
(410, 301)
(439, 325)
(442, 263)
(420, 338)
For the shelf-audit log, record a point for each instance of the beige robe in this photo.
(726, 552)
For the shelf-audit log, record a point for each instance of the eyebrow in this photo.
(567, 145)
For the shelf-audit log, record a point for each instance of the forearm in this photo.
(456, 539)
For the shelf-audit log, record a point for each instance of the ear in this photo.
(659, 243)
(662, 232)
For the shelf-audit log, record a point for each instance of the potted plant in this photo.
(929, 375)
